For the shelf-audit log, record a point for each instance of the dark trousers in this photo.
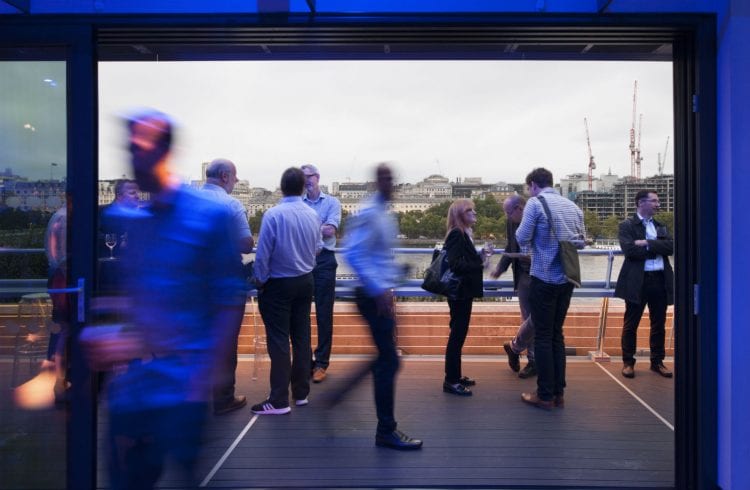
(549, 305)
(386, 364)
(653, 294)
(284, 305)
(324, 276)
(226, 361)
(141, 441)
(460, 310)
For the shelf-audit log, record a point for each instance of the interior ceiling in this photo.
(396, 42)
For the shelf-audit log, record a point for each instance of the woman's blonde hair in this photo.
(457, 215)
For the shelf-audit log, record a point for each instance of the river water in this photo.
(593, 267)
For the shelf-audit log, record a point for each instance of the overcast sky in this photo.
(490, 119)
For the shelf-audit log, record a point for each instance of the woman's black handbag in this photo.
(439, 279)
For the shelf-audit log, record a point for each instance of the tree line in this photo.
(491, 222)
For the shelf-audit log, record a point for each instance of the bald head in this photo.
(223, 173)
(513, 208)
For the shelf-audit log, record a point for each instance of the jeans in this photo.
(386, 364)
(324, 275)
(524, 339)
(653, 293)
(549, 305)
(140, 442)
(284, 305)
(460, 311)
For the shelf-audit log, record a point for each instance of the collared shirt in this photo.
(239, 213)
(371, 237)
(329, 211)
(655, 264)
(288, 241)
(535, 231)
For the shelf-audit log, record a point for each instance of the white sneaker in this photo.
(267, 408)
(301, 403)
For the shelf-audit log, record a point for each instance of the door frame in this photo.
(694, 57)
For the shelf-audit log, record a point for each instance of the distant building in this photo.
(471, 188)
(620, 200)
(19, 193)
(610, 195)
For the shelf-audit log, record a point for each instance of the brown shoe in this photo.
(319, 374)
(628, 371)
(661, 369)
(236, 403)
(533, 399)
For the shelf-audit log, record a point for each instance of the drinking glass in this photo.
(110, 240)
(487, 250)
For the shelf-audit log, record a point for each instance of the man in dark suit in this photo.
(646, 278)
(524, 339)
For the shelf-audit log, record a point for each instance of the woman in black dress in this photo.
(466, 263)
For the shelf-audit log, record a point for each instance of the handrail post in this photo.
(599, 355)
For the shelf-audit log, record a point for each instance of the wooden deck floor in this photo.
(612, 432)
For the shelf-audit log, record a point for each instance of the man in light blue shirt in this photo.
(324, 273)
(221, 177)
(287, 245)
(370, 241)
(550, 289)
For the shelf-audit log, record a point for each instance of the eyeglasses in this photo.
(651, 200)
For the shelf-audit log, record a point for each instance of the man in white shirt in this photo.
(646, 278)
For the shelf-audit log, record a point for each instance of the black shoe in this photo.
(456, 389)
(513, 358)
(236, 403)
(467, 381)
(397, 440)
(661, 369)
(528, 371)
(628, 371)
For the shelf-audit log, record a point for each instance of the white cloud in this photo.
(494, 119)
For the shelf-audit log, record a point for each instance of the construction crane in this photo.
(638, 158)
(661, 161)
(632, 131)
(592, 165)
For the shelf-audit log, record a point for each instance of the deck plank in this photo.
(603, 437)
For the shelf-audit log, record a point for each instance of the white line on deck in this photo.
(656, 414)
(229, 450)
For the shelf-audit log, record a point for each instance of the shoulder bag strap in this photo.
(549, 216)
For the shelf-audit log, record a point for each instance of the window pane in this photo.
(33, 231)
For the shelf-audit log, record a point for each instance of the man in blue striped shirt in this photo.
(550, 289)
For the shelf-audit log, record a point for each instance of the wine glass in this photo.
(110, 240)
(487, 250)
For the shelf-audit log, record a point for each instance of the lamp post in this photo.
(51, 165)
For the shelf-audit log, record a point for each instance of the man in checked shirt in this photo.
(550, 289)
